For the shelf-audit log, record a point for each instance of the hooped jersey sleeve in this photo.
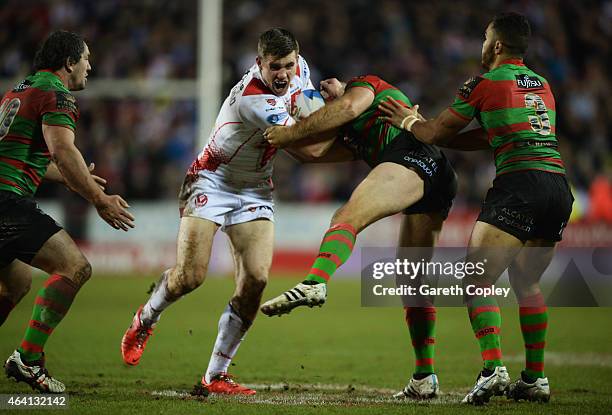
(469, 99)
(60, 108)
(371, 82)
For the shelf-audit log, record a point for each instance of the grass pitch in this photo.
(337, 359)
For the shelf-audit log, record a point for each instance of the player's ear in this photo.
(258, 60)
(498, 48)
(69, 64)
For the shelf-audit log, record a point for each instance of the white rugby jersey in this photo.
(236, 151)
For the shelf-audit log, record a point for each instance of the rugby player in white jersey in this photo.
(229, 186)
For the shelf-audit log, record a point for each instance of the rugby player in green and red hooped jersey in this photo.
(37, 123)
(528, 206)
(407, 176)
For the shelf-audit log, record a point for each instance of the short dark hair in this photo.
(59, 46)
(513, 30)
(277, 42)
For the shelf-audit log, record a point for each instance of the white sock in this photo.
(231, 332)
(157, 302)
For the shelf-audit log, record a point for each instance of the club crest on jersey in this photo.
(271, 101)
(466, 89)
(526, 82)
(276, 118)
(201, 200)
(22, 86)
(66, 101)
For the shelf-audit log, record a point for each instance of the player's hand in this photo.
(112, 208)
(278, 136)
(100, 181)
(399, 115)
(331, 89)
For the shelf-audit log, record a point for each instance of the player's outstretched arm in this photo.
(434, 131)
(312, 150)
(331, 116)
(54, 175)
(72, 167)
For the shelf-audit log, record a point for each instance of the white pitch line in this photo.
(318, 394)
(569, 359)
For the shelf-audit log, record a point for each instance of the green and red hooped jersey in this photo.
(39, 99)
(516, 108)
(368, 133)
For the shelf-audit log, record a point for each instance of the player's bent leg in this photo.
(252, 248)
(420, 232)
(525, 273)
(388, 189)
(252, 245)
(194, 244)
(60, 257)
(15, 283)
(497, 249)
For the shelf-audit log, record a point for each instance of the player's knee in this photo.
(16, 291)
(257, 283)
(347, 216)
(187, 280)
(252, 287)
(82, 272)
(342, 215)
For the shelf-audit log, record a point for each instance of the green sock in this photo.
(486, 322)
(422, 325)
(335, 249)
(51, 305)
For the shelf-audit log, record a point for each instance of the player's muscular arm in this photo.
(70, 163)
(313, 147)
(334, 115)
(54, 175)
(310, 151)
(438, 130)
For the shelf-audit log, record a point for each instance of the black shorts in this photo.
(432, 166)
(24, 228)
(529, 204)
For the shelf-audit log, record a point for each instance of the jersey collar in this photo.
(51, 73)
(512, 61)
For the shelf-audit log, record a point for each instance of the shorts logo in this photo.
(516, 219)
(422, 164)
(262, 207)
(526, 82)
(201, 200)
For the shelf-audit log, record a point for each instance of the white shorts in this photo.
(208, 196)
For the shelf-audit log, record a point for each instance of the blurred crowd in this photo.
(427, 49)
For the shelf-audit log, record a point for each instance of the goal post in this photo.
(210, 21)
